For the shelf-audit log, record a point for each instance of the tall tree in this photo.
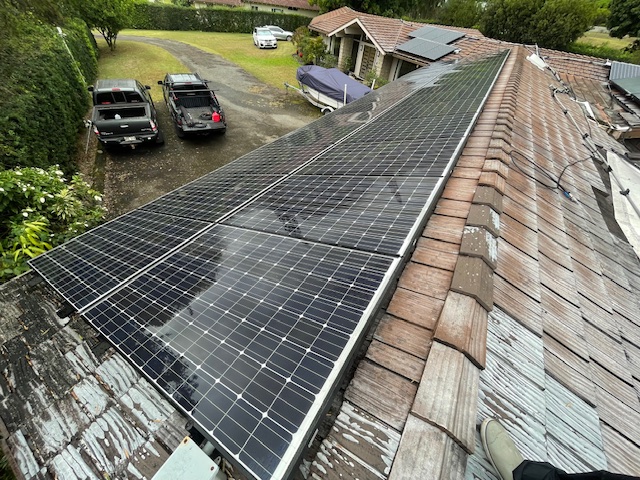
(108, 16)
(624, 18)
(548, 23)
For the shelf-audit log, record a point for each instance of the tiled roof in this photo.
(517, 303)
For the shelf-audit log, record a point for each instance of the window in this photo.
(277, 10)
(253, 7)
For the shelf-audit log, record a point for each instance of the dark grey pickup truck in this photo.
(192, 104)
(124, 114)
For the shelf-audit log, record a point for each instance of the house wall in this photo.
(384, 70)
(346, 45)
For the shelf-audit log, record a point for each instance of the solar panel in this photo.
(89, 266)
(426, 48)
(243, 294)
(435, 34)
(256, 327)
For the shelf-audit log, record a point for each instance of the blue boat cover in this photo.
(331, 82)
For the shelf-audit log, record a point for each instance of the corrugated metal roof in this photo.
(426, 48)
(435, 34)
(623, 70)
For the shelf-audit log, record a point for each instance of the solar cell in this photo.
(257, 326)
(243, 294)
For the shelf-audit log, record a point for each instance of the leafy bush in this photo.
(374, 81)
(39, 209)
(157, 16)
(602, 51)
(43, 97)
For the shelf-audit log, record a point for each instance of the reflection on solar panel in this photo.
(435, 34)
(243, 294)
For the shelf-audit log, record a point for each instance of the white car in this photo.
(279, 33)
(263, 38)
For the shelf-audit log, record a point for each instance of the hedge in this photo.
(43, 97)
(156, 16)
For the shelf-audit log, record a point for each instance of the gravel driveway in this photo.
(256, 114)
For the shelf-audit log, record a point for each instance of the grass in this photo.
(273, 67)
(599, 39)
(146, 63)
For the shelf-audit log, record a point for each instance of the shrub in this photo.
(157, 16)
(43, 96)
(39, 209)
(602, 51)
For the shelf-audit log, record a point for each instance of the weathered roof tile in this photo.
(448, 393)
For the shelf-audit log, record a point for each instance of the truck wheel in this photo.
(288, 38)
(160, 139)
(179, 132)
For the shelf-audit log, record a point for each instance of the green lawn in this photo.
(273, 67)
(603, 39)
(146, 63)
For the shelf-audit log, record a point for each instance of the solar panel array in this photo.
(430, 42)
(436, 34)
(243, 295)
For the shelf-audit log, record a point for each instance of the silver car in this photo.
(279, 33)
(263, 38)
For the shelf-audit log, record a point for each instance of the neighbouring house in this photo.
(298, 7)
(390, 47)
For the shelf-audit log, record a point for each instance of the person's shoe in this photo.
(499, 447)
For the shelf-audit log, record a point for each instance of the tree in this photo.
(108, 16)
(460, 13)
(547, 23)
(624, 18)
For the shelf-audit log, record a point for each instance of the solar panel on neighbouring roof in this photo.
(426, 48)
(435, 34)
(249, 331)
(630, 86)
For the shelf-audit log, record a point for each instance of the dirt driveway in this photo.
(256, 114)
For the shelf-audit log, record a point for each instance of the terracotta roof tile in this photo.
(622, 455)
(444, 228)
(453, 208)
(606, 380)
(383, 394)
(440, 456)
(435, 253)
(474, 277)
(485, 217)
(414, 307)
(426, 280)
(569, 369)
(463, 325)
(519, 269)
(448, 394)
(404, 336)
(519, 235)
(396, 360)
(562, 320)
